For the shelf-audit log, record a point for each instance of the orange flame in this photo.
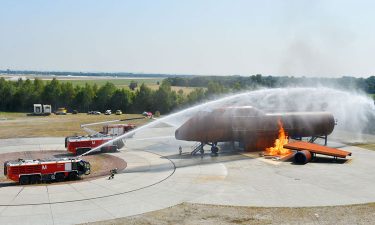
(278, 148)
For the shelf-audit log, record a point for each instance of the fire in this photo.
(278, 148)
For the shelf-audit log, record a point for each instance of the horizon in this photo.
(104, 73)
(222, 38)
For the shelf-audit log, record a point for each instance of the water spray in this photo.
(354, 111)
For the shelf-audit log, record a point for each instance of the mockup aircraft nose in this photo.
(176, 134)
(183, 133)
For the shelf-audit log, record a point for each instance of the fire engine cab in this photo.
(35, 171)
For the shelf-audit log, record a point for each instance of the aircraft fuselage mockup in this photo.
(256, 129)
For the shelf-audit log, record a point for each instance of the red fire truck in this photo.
(81, 144)
(78, 145)
(34, 171)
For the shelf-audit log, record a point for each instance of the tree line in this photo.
(19, 96)
(250, 82)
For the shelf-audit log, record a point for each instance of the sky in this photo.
(328, 38)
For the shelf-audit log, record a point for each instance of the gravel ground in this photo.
(187, 213)
(101, 164)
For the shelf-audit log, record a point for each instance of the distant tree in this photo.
(22, 100)
(121, 99)
(7, 91)
(165, 98)
(195, 96)
(181, 99)
(104, 95)
(237, 86)
(38, 87)
(19, 83)
(214, 88)
(83, 100)
(67, 95)
(179, 81)
(133, 85)
(95, 88)
(199, 81)
(51, 93)
(370, 85)
(143, 99)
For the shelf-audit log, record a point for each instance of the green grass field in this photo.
(124, 83)
(19, 125)
(11, 115)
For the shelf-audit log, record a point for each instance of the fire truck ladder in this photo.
(93, 132)
(196, 148)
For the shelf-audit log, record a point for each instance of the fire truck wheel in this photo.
(112, 148)
(214, 150)
(34, 179)
(80, 151)
(60, 177)
(73, 176)
(24, 180)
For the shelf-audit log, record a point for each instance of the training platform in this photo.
(158, 177)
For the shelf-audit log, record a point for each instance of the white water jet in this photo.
(353, 111)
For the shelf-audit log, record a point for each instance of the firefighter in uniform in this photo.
(113, 172)
(202, 152)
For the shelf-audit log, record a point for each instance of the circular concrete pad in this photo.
(157, 177)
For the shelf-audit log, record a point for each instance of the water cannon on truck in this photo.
(79, 145)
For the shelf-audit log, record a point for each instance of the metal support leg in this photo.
(325, 140)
